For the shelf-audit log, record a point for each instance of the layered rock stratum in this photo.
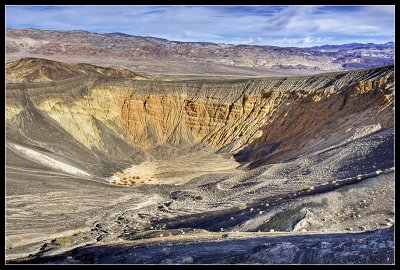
(193, 155)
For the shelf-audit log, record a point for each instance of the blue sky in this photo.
(300, 26)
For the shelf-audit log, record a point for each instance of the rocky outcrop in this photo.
(363, 248)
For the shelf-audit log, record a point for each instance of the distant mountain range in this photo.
(122, 48)
(354, 46)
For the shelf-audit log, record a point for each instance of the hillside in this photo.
(42, 70)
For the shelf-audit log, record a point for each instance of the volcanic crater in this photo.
(136, 154)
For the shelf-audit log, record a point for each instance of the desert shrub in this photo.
(242, 206)
(64, 241)
(304, 186)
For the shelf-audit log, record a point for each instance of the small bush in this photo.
(64, 241)
(242, 206)
(305, 186)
